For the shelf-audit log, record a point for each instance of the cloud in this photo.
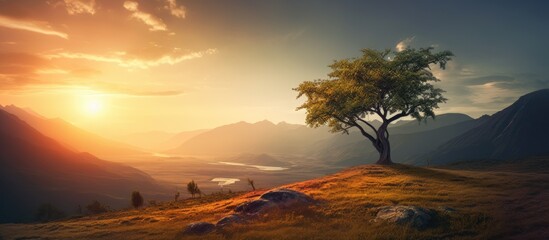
(488, 79)
(80, 6)
(402, 45)
(30, 26)
(138, 93)
(128, 62)
(18, 69)
(175, 10)
(154, 23)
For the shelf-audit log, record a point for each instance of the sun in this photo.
(93, 107)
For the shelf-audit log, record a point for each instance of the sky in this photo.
(117, 67)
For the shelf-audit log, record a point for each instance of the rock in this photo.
(230, 219)
(447, 209)
(277, 198)
(199, 228)
(286, 197)
(254, 207)
(415, 216)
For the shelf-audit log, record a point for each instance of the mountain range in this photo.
(518, 131)
(38, 170)
(258, 138)
(71, 136)
(515, 132)
(46, 160)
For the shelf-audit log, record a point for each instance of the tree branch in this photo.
(367, 123)
(364, 133)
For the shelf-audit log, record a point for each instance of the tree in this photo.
(137, 199)
(193, 189)
(251, 183)
(386, 84)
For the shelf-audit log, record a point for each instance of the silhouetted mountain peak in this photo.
(517, 131)
(264, 123)
(538, 95)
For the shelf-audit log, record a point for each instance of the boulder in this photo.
(416, 217)
(277, 198)
(254, 207)
(199, 228)
(230, 219)
(274, 199)
(286, 197)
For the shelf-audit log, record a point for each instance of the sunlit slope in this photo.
(487, 204)
(36, 170)
(71, 136)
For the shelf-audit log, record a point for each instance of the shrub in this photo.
(137, 199)
(176, 196)
(96, 207)
(48, 212)
(251, 183)
(193, 189)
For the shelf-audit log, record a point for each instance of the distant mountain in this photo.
(408, 139)
(36, 169)
(518, 131)
(257, 138)
(439, 121)
(146, 140)
(179, 138)
(72, 136)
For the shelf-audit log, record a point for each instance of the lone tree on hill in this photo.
(193, 189)
(386, 84)
(137, 199)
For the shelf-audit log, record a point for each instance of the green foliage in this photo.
(48, 212)
(96, 207)
(193, 189)
(137, 199)
(386, 84)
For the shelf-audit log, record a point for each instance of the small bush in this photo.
(193, 189)
(251, 183)
(176, 196)
(48, 212)
(96, 207)
(137, 199)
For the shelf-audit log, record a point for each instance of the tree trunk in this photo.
(384, 147)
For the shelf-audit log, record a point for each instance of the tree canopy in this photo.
(386, 84)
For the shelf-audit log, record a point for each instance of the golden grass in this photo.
(489, 205)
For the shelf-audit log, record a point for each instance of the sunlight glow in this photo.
(93, 106)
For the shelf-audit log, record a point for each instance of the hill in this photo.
(257, 138)
(518, 131)
(72, 136)
(469, 204)
(37, 170)
(439, 121)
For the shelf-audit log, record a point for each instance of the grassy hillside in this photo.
(488, 204)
